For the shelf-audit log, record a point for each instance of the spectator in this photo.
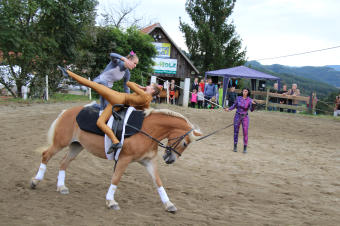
(200, 97)
(194, 85)
(172, 82)
(193, 99)
(212, 103)
(209, 92)
(231, 96)
(202, 85)
(337, 106)
(294, 91)
(220, 94)
(172, 93)
(274, 100)
(284, 92)
(217, 86)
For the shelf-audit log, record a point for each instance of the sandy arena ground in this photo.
(291, 175)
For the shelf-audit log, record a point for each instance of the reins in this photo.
(166, 147)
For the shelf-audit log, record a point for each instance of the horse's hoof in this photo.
(170, 207)
(34, 183)
(112, 204)
(63, 190)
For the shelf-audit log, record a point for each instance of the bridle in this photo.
(173, 146)
(168, 148)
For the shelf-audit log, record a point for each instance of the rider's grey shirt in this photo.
(114, 71)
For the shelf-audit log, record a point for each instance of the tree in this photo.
(121, 15)
(110, 39)
(38, 35)
(212, 42)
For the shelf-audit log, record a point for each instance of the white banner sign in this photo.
(165, 66)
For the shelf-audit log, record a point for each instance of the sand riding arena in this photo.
(290, 176)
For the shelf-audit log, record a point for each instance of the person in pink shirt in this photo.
(193, 99)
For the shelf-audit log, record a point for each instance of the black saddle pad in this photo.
(136, 119)
(87, 121)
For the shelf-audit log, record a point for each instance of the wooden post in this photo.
(186, 92)
(89, 90)
(314, 104)
(46, 87)
(167, 86)
(267, 99)
(310, 103)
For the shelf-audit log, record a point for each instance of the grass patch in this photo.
(61, 97)
(54, 98)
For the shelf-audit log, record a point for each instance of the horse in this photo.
(141, 147)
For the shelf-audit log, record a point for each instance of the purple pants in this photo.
(237, 122)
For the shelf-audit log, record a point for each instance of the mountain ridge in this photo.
(323, 80)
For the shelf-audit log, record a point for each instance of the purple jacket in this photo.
(242, 105)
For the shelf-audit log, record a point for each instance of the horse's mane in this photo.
(167, 112)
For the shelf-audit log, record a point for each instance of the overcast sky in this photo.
(268, 28)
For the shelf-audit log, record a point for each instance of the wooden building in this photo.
(171, 62)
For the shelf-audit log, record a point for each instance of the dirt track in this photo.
(291, 175)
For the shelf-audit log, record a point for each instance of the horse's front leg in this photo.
(121, 166)
(151, 166)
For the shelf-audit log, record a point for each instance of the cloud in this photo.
(282, 27)
(268, 28)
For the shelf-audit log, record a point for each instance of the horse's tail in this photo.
(51, 130)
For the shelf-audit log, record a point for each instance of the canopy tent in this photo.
(238, 72)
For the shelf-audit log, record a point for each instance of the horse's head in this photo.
(178, 141)
(177, 129)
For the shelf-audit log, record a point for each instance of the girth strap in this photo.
(118, 123)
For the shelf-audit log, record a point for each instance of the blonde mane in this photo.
(167, 112)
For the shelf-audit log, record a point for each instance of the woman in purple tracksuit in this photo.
(242, 104)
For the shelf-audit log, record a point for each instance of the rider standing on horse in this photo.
(117, 69)
(140, 99)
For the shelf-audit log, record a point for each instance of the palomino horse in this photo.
(159, 124)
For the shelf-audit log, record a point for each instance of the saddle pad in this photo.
(136, 119)
(87, 120)
(88, 116)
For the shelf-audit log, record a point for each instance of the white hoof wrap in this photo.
(41, 172)
(34, 182)
(170, 207)
(63, 190)
(112, 204)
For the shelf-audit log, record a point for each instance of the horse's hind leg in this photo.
(74, 149)
(151, 166)
(46, 156)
